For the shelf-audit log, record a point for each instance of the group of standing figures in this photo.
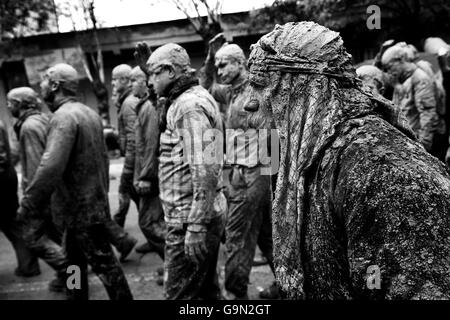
(357, 185)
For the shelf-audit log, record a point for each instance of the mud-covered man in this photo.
(126, 103)
(249, 190)
(151, 215)
(356, 191)
(189, 184)
(40, 229)
(75, 162)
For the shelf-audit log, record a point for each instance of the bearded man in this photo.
(249, 188)
(75, 163)
(359, 203)
(151, 215)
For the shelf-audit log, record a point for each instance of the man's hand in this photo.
(195, 246)
(143, 187)
(215, 44)
(141, 53)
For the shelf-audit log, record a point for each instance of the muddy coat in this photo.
(76, 156)
(417, 99)
(31, 131)
(126, 123)
(147, 142)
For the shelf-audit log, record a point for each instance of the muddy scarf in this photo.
(172, 92)
(311, 91)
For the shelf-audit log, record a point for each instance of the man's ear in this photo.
(54, 86)
(171, 71)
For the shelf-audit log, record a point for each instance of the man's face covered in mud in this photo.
(265, 100)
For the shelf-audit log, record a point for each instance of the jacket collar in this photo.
(21, 120)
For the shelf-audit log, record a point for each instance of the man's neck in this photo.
(240, 79)
(407, 72)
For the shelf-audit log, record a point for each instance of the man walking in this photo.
(189, 186)
(75, 161)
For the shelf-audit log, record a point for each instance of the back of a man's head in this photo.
(26, 97)
(66, 76)
(398, 52)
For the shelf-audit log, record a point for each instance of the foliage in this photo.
(406, 19)
(25, 17)
(204, 16)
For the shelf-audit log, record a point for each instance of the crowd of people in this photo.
(194, 193)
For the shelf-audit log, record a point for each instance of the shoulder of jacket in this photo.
(420, 75)
(130, 102)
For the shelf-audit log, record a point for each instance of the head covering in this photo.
(231, 51)
(66, 75)
(121, 71)
(314, 95)
(170, 54)
(25, 96)
(400, 52)
(369, 72)
(137, 72)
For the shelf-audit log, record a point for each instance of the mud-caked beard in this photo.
(49, 100)
(259, 120)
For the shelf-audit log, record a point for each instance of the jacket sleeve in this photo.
(33, 145)
(204, 175)
(424, 97)
(60, 142)
(129, 118)
(150, 149)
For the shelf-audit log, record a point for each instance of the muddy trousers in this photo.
(37, 233)
(89, 245)
(151, 222)
(185, 280)
(249, 204)
(127, 192)
(27, 262)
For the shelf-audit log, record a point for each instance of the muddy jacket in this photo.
(32, 135)
(126, 123)
(75, 162)
(189, 188)
(416, 97)
(236, 123)
(147, 142)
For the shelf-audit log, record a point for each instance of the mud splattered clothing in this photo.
(41, 234)
(249, 192)
(190, 190)
(151, 215)
(26, 260)
(417, 98)
(75, 161)
(126, 118)
(355, 188)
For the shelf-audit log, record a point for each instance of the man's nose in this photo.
(252, 106)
